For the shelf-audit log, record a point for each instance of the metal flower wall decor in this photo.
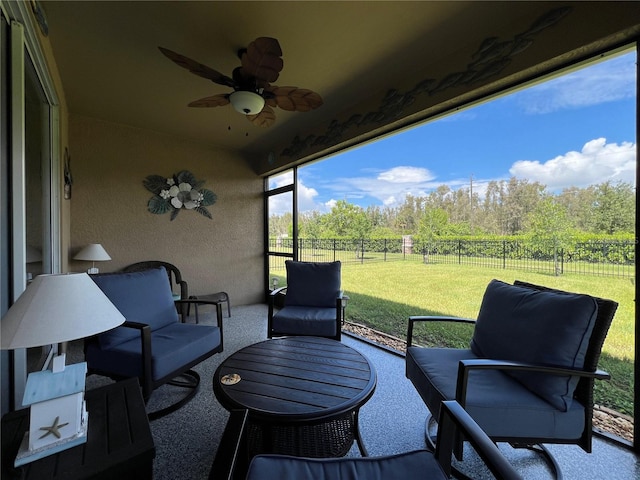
(178, 191)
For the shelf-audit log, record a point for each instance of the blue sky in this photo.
(575, 130)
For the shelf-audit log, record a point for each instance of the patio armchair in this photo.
(313, 302)
(231, 462)
(153, 344)
(527, 377)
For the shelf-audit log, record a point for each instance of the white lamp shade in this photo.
(58, 308)
(94, 252)
(247, 103)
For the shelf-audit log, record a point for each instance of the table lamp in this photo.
(55, 309)
(94, 252)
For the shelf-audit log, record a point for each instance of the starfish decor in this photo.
(53, 429)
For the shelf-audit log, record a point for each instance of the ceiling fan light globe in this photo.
(247, 103)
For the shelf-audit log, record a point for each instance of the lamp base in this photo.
(93, 270)
(27, 456)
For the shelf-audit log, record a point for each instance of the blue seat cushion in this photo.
(500, 404)
(404, 466)
(143, 297)
(313, 284)
(540, 327)
(306, 321)
(173, 347)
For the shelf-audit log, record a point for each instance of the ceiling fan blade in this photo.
(265, 118)
(198, 68)
(213, 101)
(262, 59)
(295, 99)
(271, 101)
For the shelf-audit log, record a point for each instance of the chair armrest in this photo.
(432, 318)
(228, 455)
(184, 295)
(184, 290)
(196, 302)
(466, 366)
(275, 292)
(271, 304)
(455, 419)
(145, 340)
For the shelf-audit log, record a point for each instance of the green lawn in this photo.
(384, 294)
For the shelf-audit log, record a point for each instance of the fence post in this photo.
(334, 249)
(385, 249)
(504, 254)
(362, 250)
(459, 252)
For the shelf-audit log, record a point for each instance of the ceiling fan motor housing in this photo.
(247, 103)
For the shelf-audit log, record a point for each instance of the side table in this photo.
(119, 443)
(220, 297)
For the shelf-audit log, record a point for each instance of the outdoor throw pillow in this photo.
(539, 327)
(312, 284)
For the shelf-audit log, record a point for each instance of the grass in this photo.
(383, 295)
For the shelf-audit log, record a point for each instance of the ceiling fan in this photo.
(253, 95)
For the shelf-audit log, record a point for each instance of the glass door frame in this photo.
(25, 47)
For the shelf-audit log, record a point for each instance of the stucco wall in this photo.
(109, 206)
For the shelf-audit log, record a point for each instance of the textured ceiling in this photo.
(352, 53)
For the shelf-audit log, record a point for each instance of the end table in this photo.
(119, 443)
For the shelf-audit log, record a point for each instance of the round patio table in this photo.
(303, 395)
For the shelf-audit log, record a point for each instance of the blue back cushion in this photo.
(312, 284)
(143, 297)
(524, 325)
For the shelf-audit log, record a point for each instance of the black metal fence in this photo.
(606, 258)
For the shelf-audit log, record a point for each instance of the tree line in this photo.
(509, 207)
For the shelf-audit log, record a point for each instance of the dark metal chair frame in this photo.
(583, 392)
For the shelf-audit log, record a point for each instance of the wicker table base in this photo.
(333, 438)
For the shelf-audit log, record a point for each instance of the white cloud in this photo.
(596, 163)
(605, 82)
(307, 198)
(389, 187)
(390, 201)
(406, 175)
(280, 204)
(281, 180)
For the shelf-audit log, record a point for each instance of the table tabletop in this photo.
(296, 379)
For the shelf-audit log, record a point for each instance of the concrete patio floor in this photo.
(391, 422)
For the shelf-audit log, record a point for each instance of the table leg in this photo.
(356, 426)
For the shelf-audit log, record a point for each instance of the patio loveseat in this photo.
(153, 344)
